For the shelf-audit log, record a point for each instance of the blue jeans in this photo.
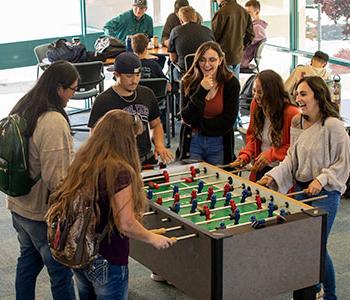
(34, 254)
(235, 69)
(207, 148)
(330, 205)
(102, 280)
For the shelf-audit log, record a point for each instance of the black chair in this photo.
(40, 54)
(254, 68)
(159, 88)
(91, 84)
(189, 61)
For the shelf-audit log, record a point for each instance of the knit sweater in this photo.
(320, 152)
(50, 153)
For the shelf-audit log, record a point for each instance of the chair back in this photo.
(157, 85)
(258, 52)
(41, 52)
(91, 75)
(189, 58)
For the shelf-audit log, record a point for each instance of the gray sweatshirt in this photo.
(320, 152)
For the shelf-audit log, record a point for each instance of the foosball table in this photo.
(236, 239)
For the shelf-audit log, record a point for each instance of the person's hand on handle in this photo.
(165, 154)
(266, 180)
(238, 163)
(161, 242)
(314, 188)
(260, 163)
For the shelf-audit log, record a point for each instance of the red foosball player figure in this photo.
(227, 188)
(206, 212)
(210, 193)
(258, 201)
(193, 172)
(176, 198)
(193, 195)
(233, 206)
(159, 201)
(166, 176)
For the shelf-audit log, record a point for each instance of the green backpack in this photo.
(14, 169)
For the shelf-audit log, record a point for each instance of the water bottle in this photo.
(128, 43)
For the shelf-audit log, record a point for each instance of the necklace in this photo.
(126, 100)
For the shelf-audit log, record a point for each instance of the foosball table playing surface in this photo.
(236, 239)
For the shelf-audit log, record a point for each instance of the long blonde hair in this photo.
(110, 149)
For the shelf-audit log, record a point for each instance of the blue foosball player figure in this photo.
(246, 193)
(149, 194)
(194, 206)
(237, 216)
(200, 186)
(271, 208)
(175, 190)
(176, 207)
(281, 218)
(221, 226)
(212, 202)
(252, 219)
(257, 224)
(227, 199)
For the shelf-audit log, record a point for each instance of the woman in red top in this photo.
(268, 134)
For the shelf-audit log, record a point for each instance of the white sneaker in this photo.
(320, 294)
(157, 278)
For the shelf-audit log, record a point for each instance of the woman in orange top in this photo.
(268, 134)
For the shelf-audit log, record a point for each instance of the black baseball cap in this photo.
(126, 63)
(140, 3)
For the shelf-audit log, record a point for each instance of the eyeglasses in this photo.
(74, 89)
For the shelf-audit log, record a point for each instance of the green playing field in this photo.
(220, 214)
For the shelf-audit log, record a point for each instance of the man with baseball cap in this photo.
(130, 22)
(126, 94)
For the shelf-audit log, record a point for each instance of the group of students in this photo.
(304, 147)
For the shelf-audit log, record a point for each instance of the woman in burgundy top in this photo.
(209, 107)
(108, 166)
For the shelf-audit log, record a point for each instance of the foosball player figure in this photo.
(271, 208)
(176, 207)
(166, 176)
(213, 202)
(206, 212)
(227, 188)
(159, 201)
(200, 186)
(194, 206)
(258, 224)
(237, 216)
(246, 193)
(175, 190)
(258, 200)
(210, 193)
(281, 218)
(176, 198)
(194, 172)
(233, 206)
(221, 226)
(228, 199)
(193, 195)
(149, 194)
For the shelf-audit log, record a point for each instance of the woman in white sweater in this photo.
(318, 160)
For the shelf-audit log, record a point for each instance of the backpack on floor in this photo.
(14, 168)
(246, 94)
(71, 231)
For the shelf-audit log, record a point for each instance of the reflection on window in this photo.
(39, 19)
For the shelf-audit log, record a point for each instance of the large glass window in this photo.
(34, 20)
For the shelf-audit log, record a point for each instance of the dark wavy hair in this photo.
(323, 97)
(273, 101)
(43, 96)
(194, 75)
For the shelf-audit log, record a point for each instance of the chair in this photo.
(257, 57)
(189, 61)
(159, 88)
(90, 85)
(40, 54)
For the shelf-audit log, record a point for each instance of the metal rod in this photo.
(148, 213)
(314, 198)
(184, 237)
(173, 228)
(296, 193)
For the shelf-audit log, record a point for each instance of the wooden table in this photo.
(163, 51)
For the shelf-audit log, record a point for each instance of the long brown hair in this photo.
(273, 101)
(110, 149)
(323, 97)
(194, 75)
